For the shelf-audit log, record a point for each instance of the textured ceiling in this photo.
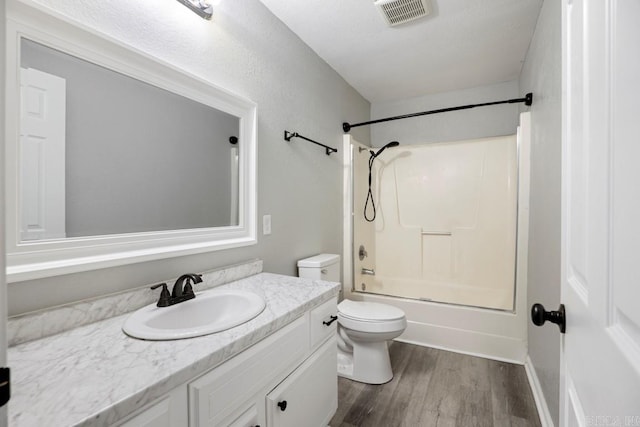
(462, 44)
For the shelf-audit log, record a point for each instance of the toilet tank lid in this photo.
(322, 260)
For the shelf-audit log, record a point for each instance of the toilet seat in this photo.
(370, 317)
(364, 310)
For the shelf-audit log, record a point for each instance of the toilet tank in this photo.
(320, 267)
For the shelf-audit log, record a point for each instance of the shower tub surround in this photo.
(446, 222)
(96, 375)
(432, 246)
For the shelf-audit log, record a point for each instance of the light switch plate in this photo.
(266, 224)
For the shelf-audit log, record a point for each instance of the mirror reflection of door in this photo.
(42, 147)
(235, 167)
(135, 157)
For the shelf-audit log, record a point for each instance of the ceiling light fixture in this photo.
(201, 7)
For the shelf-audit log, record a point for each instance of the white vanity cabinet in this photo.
(297, 364)
(226, 394)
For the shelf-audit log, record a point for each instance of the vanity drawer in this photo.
(220, 395)
(323, 322)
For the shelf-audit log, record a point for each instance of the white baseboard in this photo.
(538, 396)
(464, 341)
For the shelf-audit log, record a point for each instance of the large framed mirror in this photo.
(114, 157)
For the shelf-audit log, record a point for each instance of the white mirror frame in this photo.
(37, 259)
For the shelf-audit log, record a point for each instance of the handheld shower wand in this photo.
(390, 144)
(372, 157)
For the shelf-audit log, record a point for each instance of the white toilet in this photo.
(363, 327)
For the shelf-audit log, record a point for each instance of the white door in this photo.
(42, 155)
(600, 361)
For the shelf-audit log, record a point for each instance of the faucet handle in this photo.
(163, 301)
(183, 286)
(188, 289)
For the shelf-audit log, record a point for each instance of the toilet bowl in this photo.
(363, 327)
(363, 331)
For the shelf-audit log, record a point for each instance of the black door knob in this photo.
(282, 405)
(539, 315)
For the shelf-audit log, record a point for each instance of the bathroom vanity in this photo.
(279, 369)
(288, 379)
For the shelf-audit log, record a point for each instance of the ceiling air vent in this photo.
(397, 12)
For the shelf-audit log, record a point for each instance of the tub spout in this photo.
(368, 271)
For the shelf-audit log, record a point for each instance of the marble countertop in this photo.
(95, 374)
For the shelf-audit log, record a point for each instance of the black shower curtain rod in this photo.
(528, 100)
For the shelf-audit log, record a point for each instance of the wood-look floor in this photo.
(439, 388)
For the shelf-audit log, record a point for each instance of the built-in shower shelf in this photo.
(436, 233)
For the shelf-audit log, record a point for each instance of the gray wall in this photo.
(541, 74)
(138, 158)
(245, 49)
(452, 126)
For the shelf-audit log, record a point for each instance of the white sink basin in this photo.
(209, 312)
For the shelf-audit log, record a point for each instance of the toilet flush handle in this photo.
(330, 321)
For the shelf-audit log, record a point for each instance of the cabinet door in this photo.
(168, 411)
(309, 396)
(225, 394)
(156, 416)
(250, 417)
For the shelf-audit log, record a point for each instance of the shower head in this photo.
(391, 144)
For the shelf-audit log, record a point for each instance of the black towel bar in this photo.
(288, 135)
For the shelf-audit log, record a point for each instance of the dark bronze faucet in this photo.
(182, 290)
